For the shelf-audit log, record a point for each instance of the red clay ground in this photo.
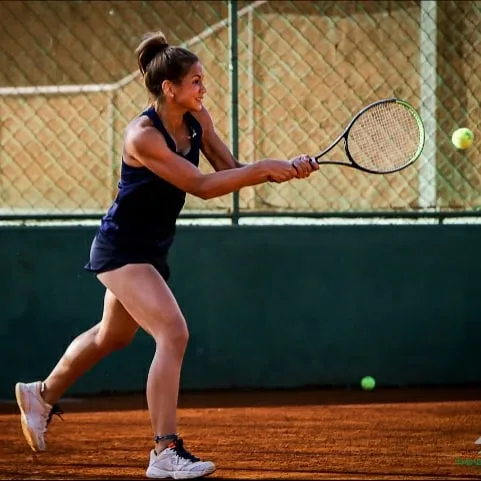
(324, 434)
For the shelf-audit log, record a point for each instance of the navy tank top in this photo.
(142, 218)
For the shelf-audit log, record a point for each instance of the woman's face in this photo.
(191, 91)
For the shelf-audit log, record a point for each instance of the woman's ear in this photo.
(168, 89)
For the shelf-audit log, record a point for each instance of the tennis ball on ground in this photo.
(462, 138)
(368, 383)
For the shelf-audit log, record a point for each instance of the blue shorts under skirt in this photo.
(106, 256)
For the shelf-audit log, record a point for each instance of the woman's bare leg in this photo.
(146, 296)
(116, 330)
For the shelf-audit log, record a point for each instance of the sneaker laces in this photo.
(178, 447)
(55, 411)
(46, 417)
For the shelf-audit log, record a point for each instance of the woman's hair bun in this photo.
(152, 44)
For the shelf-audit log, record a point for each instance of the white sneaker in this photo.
(35, 413)
(177, 463)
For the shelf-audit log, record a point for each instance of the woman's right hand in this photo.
(278, 170)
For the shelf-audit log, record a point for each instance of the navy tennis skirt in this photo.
(107, 256)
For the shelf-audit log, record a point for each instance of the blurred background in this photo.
(69, 85)
(313, 282)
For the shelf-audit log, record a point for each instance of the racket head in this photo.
(385, 137)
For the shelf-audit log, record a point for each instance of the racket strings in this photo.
(385, 138)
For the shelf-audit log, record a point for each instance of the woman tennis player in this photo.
(129, 251)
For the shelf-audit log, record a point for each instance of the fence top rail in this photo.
(111, 87)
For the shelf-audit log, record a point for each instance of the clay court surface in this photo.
(316, 434)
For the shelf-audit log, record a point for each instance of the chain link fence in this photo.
(69, 86)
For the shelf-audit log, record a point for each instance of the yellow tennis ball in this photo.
(368, 383)
(462, 138)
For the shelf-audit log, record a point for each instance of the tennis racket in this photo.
(384, 137)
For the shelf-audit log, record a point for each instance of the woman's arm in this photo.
(214, 149)
(144, 145)
(221, 158)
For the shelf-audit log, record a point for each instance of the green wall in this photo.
(267, 306)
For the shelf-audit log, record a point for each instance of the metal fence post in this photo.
(234, 91)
